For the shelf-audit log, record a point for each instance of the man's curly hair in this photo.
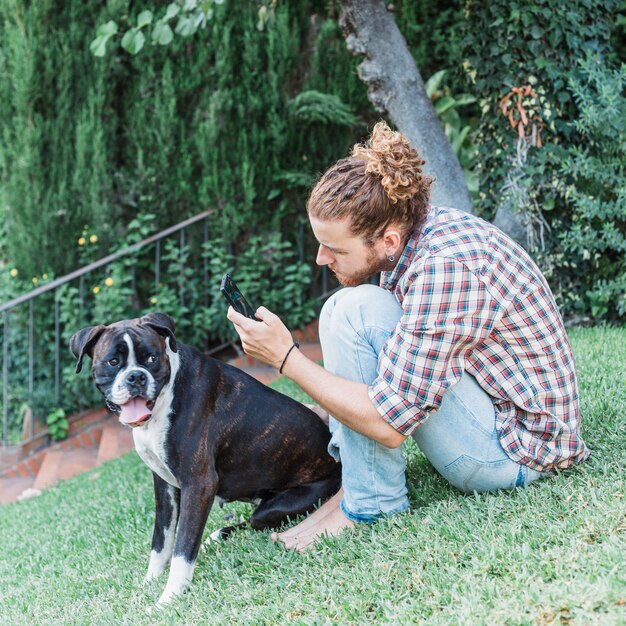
(381, 183)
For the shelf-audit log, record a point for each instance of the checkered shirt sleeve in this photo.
(448, 311)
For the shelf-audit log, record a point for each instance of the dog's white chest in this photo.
(150, 445)
(150, 439)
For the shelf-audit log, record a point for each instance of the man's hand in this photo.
(267, 340)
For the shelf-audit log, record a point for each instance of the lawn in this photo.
(551, 554)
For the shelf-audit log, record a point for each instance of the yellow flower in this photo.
(35, 280)
(14, 272)
(153, 300)
(44, 276)
(108, 282)
(96, 289)
(82, 241)
(93, 238)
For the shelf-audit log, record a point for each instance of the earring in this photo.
(391, 258)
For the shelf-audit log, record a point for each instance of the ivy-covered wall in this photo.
(527, 63)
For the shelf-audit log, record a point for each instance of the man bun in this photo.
(389, 155)
(379, 184)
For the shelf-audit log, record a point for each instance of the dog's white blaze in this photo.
(160, 560)
(150, 439)
(119, 392)
(181, 574)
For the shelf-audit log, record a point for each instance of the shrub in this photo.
(548, 165)
(593, 184)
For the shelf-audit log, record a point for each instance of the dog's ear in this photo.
(162, 324)
(83, 342)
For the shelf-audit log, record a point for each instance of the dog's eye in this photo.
(114, 362)
(151, 358)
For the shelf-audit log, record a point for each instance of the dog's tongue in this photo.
(134, 411)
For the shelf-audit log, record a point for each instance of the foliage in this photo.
(55, 168)
(57, 424)
(532, 43)
(433, 30)
(202, 122)
(529, 120)
(593, 181)
(457, 130)
(211, 120)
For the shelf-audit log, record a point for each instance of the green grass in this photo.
(551, 554)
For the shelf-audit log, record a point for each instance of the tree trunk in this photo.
(394, 85)
(511, 223)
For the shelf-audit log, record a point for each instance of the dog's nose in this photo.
(136, 378)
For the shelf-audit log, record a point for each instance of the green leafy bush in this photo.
(203, 122)
(594, 186)
(57, 424)
(508, 44)
(555, 166)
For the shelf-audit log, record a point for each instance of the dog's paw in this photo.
(152, 574)
(168, 596)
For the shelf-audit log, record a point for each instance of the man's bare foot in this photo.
(332, 525)
(319, 411)
(311, 520)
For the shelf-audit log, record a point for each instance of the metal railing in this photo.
(7, 308)
(29, 331)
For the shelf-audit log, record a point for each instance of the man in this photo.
(461, 347)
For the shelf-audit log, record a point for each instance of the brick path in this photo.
(106, 439)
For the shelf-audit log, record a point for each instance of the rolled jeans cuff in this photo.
(366, 518)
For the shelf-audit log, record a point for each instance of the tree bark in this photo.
(395, 86)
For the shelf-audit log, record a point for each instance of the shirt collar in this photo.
(389, 280)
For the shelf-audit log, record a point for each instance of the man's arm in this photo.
(269, 341)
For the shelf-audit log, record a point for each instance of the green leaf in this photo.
(133, 41)
(162, 33)
(444, 104)
(186, 26)
(145, 18)
(98, 45)
(465, 98)
(432, 84)
(536, 32)
(172, 11)
(460, 138)
(108, 29)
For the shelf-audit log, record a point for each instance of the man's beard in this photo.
(373, 266)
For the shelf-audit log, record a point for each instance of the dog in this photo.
(207, 431)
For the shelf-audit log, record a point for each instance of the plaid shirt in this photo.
(475, 302)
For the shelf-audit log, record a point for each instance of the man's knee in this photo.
(357, 305)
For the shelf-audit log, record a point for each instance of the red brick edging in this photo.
(81, 436)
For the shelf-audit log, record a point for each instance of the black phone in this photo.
(234, 297)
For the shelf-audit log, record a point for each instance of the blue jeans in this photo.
(459, 440)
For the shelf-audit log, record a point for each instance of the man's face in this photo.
(347, 255)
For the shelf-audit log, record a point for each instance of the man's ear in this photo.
(392, 239)
(162, 324)
(84, 341)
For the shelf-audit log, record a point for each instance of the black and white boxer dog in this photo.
(207, 431)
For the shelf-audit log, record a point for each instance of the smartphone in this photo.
(232, 294)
